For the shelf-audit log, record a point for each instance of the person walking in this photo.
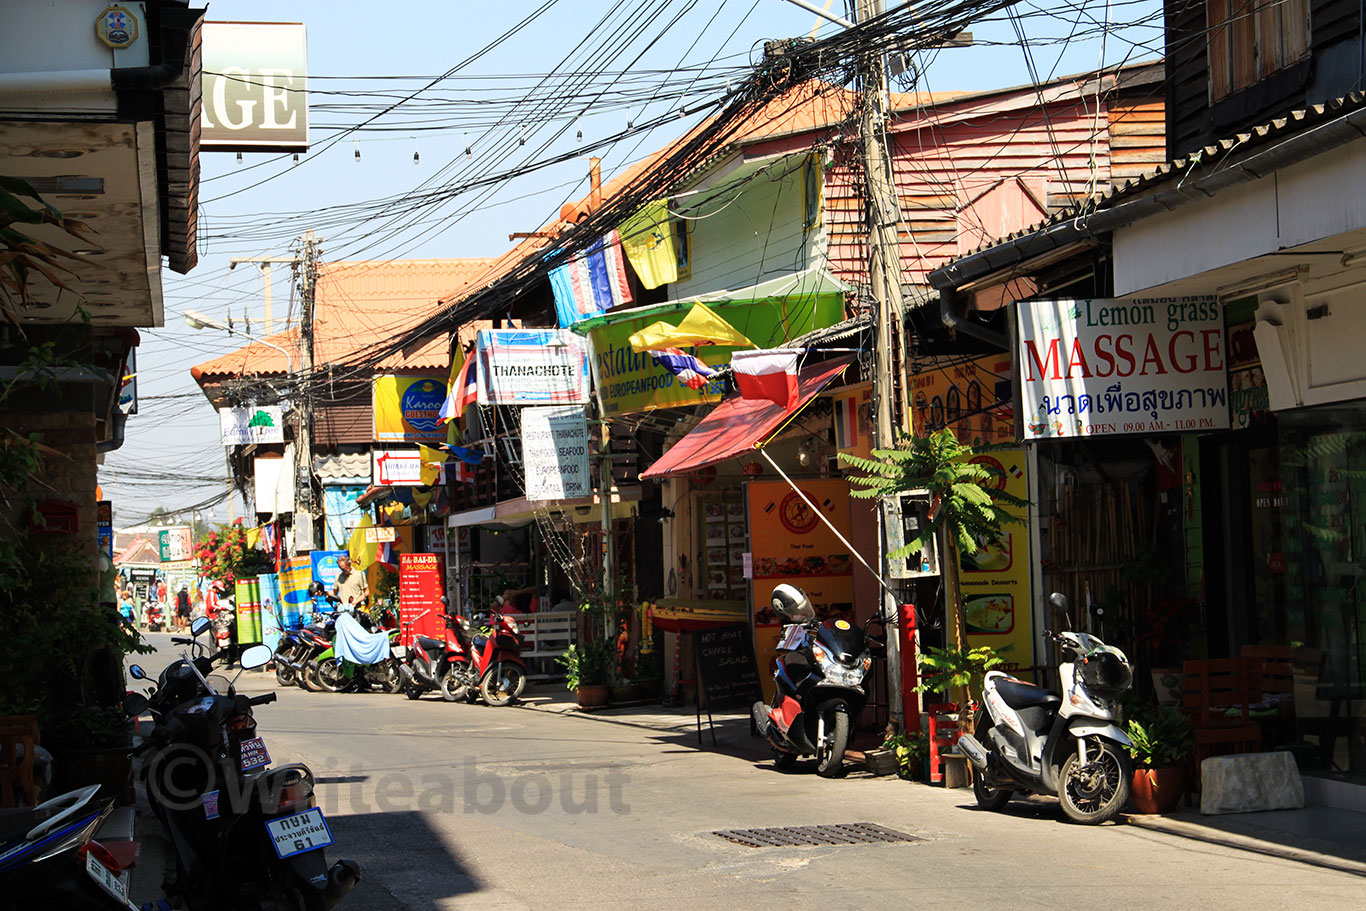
(182, 608)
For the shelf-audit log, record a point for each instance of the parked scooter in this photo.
(818, 685)
(245, 835)
(487, 664)
(360, 639)
(155, 620)
(1068, 745)
(49, 860)
(426, 664)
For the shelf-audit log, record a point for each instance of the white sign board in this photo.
(532, 367)
(255, 87)
(397, 468)
(1102, 367)
(555, 453)
(242, 426)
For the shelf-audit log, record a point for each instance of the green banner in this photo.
(630, 381)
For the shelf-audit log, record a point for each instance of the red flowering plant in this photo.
(224, 556)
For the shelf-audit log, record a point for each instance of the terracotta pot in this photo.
(1158, 790)
(623, 693)
(593, 696)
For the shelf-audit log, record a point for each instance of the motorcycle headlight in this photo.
(837, 673)
(512, 624)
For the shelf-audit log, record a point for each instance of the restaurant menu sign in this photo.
(555, 453)
(532, 367)
(419, 596)
(1103, 367)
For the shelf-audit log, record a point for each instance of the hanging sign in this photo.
(963, 397)
(398, 468)
(243, 426)
(176, 545)
(255, 87)
(380, 534)
(532, 367)
(1103, 367)
(407, 408)
(555, 453)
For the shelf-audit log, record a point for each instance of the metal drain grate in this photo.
(849, 833)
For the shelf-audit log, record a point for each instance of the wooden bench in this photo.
(545, 636)
(1217, 696)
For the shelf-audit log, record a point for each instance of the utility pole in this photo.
(884, 276)
(304, 536)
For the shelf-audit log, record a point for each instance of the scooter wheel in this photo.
(330, 676)
(412, 692)
(1095, 792)
(393, 679)
(454, 686)
(784, 761)
(502, 685)
(830, 750)
(989, 798)
(284, 674)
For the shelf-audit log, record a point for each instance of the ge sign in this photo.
(255, 87)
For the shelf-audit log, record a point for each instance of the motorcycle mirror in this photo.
(1058, 601)
(254, 657)
(136, 672)
(200, 626)
(135, 704)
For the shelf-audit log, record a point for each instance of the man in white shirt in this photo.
(350, 588)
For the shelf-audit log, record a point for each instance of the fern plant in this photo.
(968, 504)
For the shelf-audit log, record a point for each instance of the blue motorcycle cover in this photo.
(356, 645)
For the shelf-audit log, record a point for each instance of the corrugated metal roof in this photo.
(1211, 158)
(360, 304)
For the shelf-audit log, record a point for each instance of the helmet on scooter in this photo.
(315, 590)
(1106, 673)
(791, 602)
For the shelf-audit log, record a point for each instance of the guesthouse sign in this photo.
(1103, 367)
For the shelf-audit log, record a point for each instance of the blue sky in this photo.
(246, 207)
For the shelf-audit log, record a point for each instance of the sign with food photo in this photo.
(995, 580)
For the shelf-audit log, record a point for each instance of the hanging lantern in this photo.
(752, 468)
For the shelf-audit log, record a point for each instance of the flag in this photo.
(453, 387)
(432, 459)
(468, 454)
(648, 242)
(702, 326)
(686, 367)
(463, 391)
(767, 374)
(591, 283)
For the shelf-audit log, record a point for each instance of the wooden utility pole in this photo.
(305, 537)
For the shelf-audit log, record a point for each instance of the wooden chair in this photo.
(18, 739)
(1212, 689)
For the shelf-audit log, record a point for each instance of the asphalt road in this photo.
(465, 806)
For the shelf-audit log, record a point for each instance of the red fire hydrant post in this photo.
(910, 676)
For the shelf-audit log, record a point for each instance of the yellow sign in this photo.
(995, 580)
(963, 397)
(791, 544)
(406, 408)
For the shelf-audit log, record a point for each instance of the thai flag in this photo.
(592, 283)
(463, 392)
(387, 555)
(686, 367)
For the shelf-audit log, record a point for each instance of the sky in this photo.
(357, 55)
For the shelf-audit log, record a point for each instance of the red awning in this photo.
(737, 425)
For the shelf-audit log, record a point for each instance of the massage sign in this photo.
(1102, 367)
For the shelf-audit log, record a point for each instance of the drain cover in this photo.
(849, 833)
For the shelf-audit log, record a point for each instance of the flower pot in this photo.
(1158, 790)
(593, 696)
(623, 693)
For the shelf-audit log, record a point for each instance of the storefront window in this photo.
(1307, 499)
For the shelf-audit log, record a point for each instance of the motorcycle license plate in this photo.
(254, 754)
(300, 833)
(109, 881)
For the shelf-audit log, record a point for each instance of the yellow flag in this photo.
(362, 554)
(702, 326)
(647, 240)
(431, 463)
(253, 537)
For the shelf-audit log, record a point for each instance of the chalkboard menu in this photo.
(726, 672)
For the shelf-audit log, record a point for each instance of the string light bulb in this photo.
(239, 157)
(356, 145)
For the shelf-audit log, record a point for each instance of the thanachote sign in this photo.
(1102, 367)
(532, 367)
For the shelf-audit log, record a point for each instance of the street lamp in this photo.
(196, 320)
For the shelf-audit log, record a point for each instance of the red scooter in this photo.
(490, 665)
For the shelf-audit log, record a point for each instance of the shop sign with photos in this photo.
(532, 367)
(252, 424)
(1104, 367)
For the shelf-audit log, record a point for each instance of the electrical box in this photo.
(904, 517)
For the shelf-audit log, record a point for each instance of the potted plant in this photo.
(912, 752)
(945, 669)
(1162, 747)
(588, 672)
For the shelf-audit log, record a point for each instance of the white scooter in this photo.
(1069, 745)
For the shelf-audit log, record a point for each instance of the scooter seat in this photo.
(1020, 695)
(430, 645)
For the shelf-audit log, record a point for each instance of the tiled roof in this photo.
(358, 305)
(1222, 155)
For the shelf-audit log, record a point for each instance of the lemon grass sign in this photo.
(1101, 367)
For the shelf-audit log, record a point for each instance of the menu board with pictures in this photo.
(723, 546)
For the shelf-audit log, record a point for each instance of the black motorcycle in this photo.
(819, 686)
(245, 835)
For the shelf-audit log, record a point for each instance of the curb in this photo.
(1251, 843)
